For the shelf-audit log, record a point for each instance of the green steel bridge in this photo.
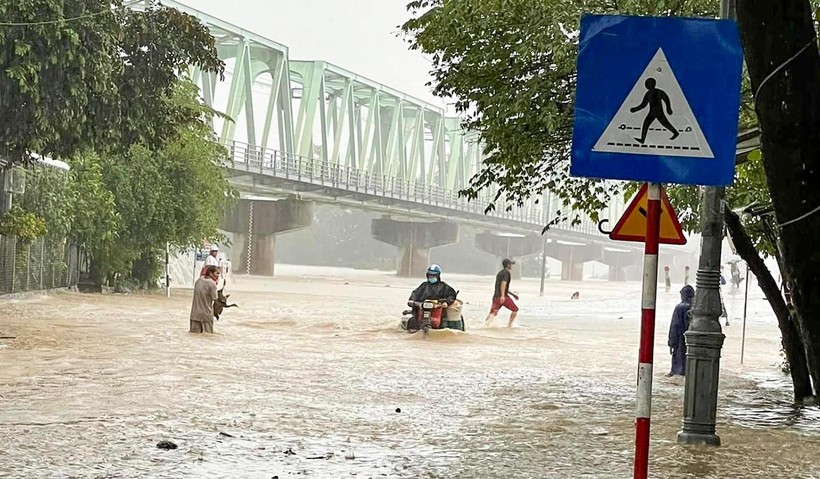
(314, 130)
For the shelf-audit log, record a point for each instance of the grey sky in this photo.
(358, 35)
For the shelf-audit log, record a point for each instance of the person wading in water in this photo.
(202, 305)
(502, 296)
(678, 326)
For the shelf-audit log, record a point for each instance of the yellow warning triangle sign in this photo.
(632, 225)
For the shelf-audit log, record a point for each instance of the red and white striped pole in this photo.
(643, 410)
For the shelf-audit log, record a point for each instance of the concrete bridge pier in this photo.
(414, 239)
(572, 257)
(624, 265)
(508, 246)
(255, 224)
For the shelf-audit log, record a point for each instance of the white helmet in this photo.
(214, 247)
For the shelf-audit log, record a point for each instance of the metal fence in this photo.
(321, 173)
(39, 265)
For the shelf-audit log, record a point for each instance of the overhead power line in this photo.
(54, 22)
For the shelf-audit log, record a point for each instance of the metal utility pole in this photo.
(745, 304)
(167, 270)
(548, 208)
(704, 339)
(543, 265)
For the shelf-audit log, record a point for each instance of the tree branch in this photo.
(790, 340)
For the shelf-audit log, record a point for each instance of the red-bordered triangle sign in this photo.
(632, 225)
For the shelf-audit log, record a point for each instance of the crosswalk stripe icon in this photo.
(655, 118)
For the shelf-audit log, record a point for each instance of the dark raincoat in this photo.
(441, 291)
(678, 326)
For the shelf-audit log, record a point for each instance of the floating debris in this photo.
(167, 445)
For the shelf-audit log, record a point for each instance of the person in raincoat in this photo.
(678, 326)
(434, 288)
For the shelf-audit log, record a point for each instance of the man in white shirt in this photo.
(213, 260)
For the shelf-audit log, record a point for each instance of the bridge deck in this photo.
(324, 181)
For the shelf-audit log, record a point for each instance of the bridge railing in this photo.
(355, 180)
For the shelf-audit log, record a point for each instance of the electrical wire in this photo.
(768, 77)
(54, 22)
(799, 218)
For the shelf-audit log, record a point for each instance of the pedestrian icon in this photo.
(655, 98)
(655, 118)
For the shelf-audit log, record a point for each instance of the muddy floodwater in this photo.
(310, 377)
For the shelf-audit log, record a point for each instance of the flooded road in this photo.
(309, 373)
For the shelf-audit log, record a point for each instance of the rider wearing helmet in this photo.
(434, 288)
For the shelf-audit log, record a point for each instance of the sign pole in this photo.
(543, 266)
(745, 303)
(167, 271)
(647, 344)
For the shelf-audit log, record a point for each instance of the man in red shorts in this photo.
(502, 295)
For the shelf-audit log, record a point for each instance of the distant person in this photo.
(723, 313)
(202, 306)
(736, 279)
(227, 272)
(678, 326)
(502, 296)
(213, 256)
(213, 260)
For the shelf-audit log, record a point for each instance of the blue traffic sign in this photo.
(657, 99)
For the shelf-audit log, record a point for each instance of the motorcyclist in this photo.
(434, 288)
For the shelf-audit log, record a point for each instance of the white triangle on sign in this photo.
(625, 131)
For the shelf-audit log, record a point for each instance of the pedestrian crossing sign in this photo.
(657, 99)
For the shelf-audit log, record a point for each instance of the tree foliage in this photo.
(24, 225)
(83, 75)
(123, 208)
(173, 195)
(509, 65)
(96, 83)
(45, 197)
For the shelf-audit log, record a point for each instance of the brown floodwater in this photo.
(308, 374)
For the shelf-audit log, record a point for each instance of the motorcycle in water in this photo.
(432, 314)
